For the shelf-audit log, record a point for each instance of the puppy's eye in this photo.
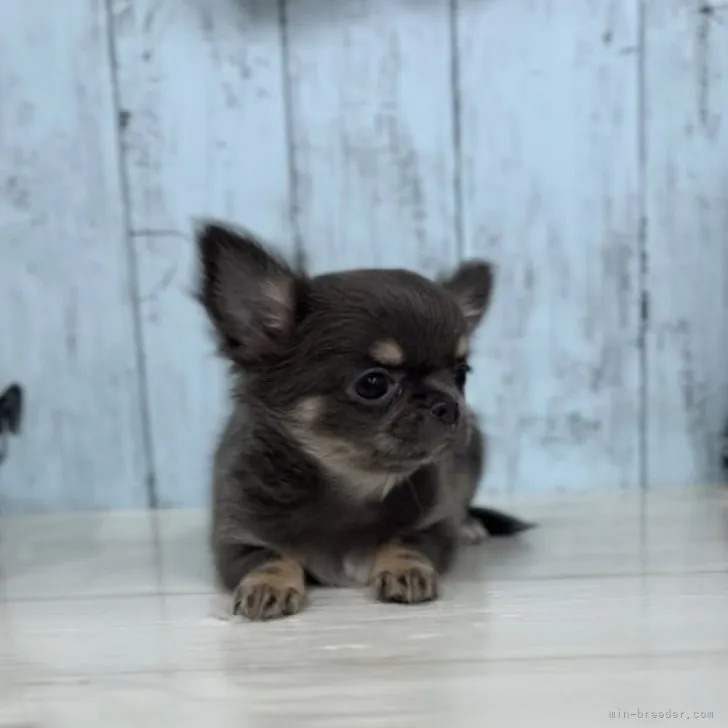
(374, 385)
(461, 375)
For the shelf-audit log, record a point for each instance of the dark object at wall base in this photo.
(497, 523)
(724, 453)
(11, 415)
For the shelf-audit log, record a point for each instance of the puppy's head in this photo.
(364, 369)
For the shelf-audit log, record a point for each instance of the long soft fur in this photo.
(350, 456)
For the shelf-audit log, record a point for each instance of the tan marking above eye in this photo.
(388, 353)
(461, 350)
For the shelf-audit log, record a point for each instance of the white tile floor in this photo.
(617, 603)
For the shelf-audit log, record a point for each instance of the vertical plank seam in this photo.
(294, 217)
(132, 266)
(643, 246)
(456, 112)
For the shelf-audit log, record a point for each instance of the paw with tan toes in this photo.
(275, 589)
(404, 576)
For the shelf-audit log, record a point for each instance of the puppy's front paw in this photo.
(276, 589)
(404, 576)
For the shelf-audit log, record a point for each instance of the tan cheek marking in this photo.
(308, 410)
(387, 352)
(462, 348)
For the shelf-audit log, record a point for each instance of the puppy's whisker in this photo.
(414, 495)
(388, 488)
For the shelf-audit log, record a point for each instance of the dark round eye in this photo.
(461, 375)
(373, 385)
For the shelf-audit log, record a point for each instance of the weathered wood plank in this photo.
(373, 132)
(66, 320)
(686, 104)
(549, 99)
(202, 91)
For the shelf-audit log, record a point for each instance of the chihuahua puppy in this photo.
(350, 457)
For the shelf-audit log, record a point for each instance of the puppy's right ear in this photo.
(248, 293)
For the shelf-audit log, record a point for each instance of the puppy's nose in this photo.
(446, 410)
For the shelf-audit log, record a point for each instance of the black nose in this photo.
(447, 411)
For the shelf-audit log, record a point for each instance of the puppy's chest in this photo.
(393, 507)
(348, 539)
(409, 503)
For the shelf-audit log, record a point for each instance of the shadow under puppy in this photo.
(350, 457)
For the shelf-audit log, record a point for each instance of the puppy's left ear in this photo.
(250, 294)
(471, 284)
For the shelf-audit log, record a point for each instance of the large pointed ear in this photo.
(248, 293)
(471, 284)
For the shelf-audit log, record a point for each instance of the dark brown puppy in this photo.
(350, 456)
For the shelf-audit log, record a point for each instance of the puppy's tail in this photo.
(497, 523)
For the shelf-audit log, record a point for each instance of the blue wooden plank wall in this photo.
(582, 146)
